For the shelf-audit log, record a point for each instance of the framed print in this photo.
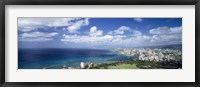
(104, 43)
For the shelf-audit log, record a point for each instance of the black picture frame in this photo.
(98, 2)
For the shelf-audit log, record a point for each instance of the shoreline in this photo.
(131, 58)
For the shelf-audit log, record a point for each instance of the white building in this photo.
(82, 65)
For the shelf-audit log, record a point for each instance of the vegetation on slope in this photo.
(138, 64)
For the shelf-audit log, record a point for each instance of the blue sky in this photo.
(98, 32)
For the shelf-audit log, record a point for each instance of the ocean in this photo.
(56, 58)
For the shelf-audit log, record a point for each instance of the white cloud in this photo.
(168, 39)
(137, 33)
(121, 30)
(39, 39)
(77, 25)
(105, 40)
(30, 24)
(176, 30)
(169, 35)
(166, 30)
(139, 38)
(160, 35)
(110, 32)
(95, 32)
(56, 22)
(37, 36)
(138, 19)
(96, 38)
(86, 39)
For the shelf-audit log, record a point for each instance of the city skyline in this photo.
(98, 32)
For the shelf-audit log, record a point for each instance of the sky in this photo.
(98, 33)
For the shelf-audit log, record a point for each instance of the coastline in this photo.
(124, 58)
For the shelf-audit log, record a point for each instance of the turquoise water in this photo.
(56, 58)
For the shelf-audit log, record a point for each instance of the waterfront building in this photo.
(82, 65)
